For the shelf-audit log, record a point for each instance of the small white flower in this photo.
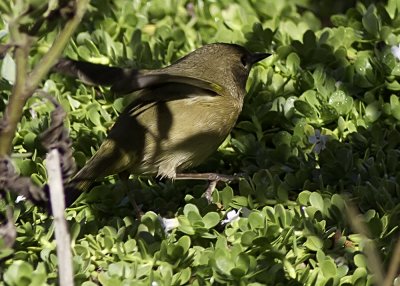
(20, 199)
(396, 51)
(231, 216)
(318, 140)
(169, 223)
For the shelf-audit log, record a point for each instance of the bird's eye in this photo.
(243, 59)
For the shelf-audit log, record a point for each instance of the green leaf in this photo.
(242, 261)
(183, 276)
(305, 108)
(392, 7)
(371, 22)
(256, 220)
(75, 230)
(8, 69)
(328, 268)
(248, 237)
(84, 53)
(372, 111)
(29, 141)
(293, 63)
(226, 195)
(291, 270)
(223, 263)
(116, 269)
(211, 219)
(283, 193)
(239, 201)
(5, 252)
(313, 243)
(184, 242)
(395, 106)
(280, 215)
(341, 102)
(359, 276)
(18, 273)
(185, 226)
(94, 116)
(360, 260)
(190, 208)
(303, 197)
(238, 272)
(317, 201)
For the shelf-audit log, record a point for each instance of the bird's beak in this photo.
(256, 57)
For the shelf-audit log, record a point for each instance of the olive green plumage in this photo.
(180, 116)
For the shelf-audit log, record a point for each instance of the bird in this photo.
(179, 116)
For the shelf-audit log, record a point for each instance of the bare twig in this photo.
(61, 231)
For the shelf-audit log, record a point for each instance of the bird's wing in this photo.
(89, 73)
(148, 80)
(124, 80)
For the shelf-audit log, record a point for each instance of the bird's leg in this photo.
(213, 179)
(124, 176)
(209, 191)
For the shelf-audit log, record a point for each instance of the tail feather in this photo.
(74, 189)
(108, 160)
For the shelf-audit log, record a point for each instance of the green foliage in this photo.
(320, 124)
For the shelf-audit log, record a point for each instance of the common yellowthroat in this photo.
(180, 116)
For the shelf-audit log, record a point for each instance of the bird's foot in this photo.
(208, 177)
(213, 179)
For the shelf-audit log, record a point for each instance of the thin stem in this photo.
(17, 100)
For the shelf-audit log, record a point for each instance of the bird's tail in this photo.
(108, 160)
(75, 188)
